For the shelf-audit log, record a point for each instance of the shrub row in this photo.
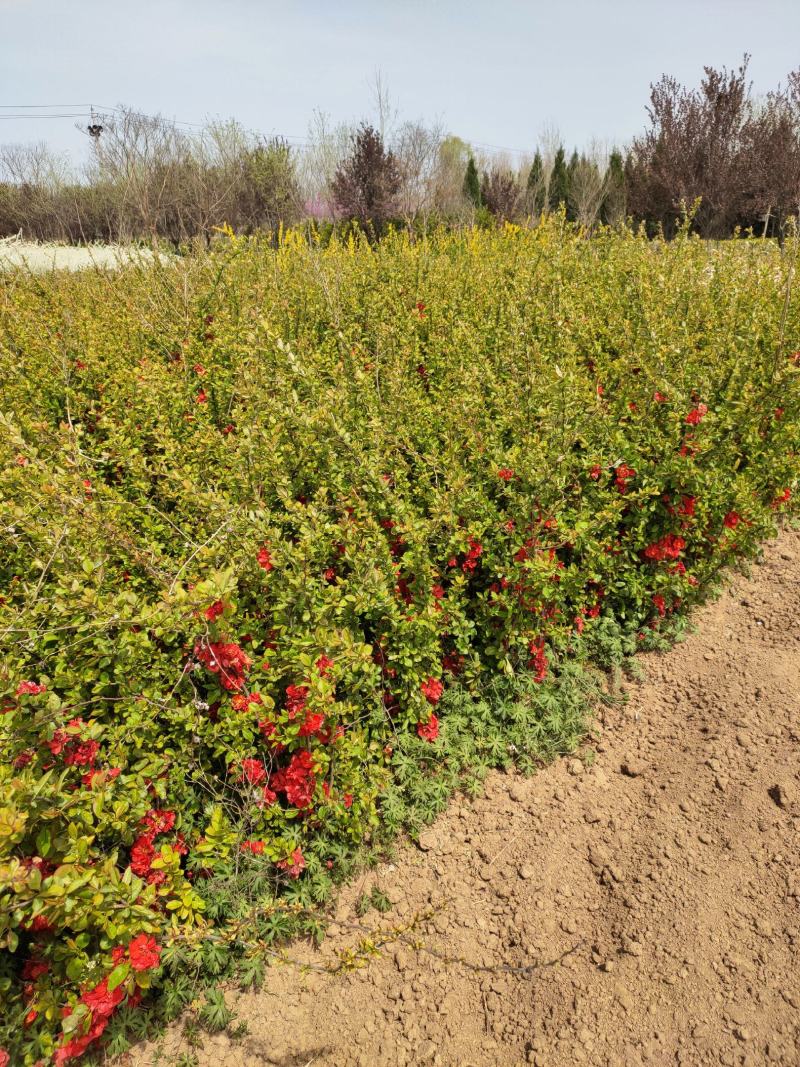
(271, 515)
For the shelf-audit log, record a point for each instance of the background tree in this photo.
(558, 192)
(366, 184)
(500, 193)
(587, 189)
(536, 186)
(612, 211)
(472, 184)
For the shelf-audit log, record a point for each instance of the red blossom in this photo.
(732, 520)
(213, 613)
(201, 397)
(227, 660)
(158, 821)
(668, 547)
(264, 558)
(142, 854)
(696, 414)
(294, 865)
(782, 498)
(30, 689)
(242, 701)
(660, 604)
(687, 506)
(475, 551)
(256, 847)
(313, 723)
(432, 690)
(595, 472)
(253, 771)
(296, 696)
(296, 780)
(505, 474)
(538, 659)
(429, 730)
(659, 397)
(324, 666)
(622, 475)
(144, 952)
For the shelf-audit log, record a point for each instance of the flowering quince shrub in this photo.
(266, 510)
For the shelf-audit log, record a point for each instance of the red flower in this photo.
(686, 506)
(118, 954)
(660, 603)
(782, 498)
(696, 414)
(100, 1002)
(668, 547)
(314, 721)
(432, 690)
(538, 659)
(142, 854)
(324, 665)
(296, 696)
(242, 701)
(659, 397)
(199, 369)
(429, 730)
(732, 520)
(622, 475)
(347, 800)
(264, 558)
(437, 591)
(30, 689)
(600, 390)
(595, 472)
(505, 473)
(215, 610)
(779, 413)
(225, 659)
(253, 771)
(256, 847)
(474, 554)
(295, 865)
(144, 952)
(296, 780)
(158, 821)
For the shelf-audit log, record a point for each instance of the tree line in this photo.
(717, 152)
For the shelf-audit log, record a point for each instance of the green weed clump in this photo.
(297, 540)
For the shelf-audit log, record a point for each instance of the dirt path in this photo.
(669, 866)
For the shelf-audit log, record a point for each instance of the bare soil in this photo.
(662, 869)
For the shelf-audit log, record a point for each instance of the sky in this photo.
(495, 72)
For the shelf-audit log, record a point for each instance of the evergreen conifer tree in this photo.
(559, 181)
(536, 185)
(472, 185)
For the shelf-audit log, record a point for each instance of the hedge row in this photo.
(262, 507)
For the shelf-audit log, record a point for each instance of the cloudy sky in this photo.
(496, 72)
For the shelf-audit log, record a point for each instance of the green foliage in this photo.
(472, 184)
(558, 190)
(258, 504)
(537, 186)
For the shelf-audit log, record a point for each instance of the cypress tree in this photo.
(572, 168)
(536, 184)
(472, 185)
(613, 209)
(559, 181)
